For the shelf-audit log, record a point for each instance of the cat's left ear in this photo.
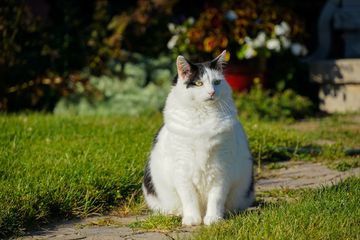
(219, 62)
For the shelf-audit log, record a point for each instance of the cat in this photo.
(200, 166)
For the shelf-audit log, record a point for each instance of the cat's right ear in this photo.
(183, 67)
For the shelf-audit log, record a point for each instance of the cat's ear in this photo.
(219, 62)
(183, 67)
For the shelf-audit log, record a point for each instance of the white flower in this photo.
(282, 29)
(298, 49)
(248, 41)
(191, 20)
(273, 44)
(260, 40)
(171, 27)
(285, 42)
(176, 29)
(250, 52)
(172, 42)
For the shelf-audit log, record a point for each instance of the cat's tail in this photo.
(171, 206)
(151, 199)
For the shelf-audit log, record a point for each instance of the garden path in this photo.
(291, 175)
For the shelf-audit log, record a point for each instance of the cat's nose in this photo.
(212, 93)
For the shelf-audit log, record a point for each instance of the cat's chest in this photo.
(199, 125)
(202, 147)
(210, 159)
(201, 139)
(209, 145)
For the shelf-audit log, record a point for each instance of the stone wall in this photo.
(339, 84)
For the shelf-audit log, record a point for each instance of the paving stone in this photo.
(150, 236)
(302, 175)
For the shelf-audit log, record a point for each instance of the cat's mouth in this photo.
(210, 99)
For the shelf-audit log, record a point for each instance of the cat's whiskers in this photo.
(225, 106)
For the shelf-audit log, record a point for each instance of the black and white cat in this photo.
(200, 165)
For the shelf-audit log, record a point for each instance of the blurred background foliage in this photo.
(231, 24)
(112, 57)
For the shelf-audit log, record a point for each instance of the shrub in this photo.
(259, 103)
(142, 90)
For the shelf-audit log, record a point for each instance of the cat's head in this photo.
(201, 82)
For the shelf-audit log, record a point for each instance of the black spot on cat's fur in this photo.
(250, 189)
(148, 184)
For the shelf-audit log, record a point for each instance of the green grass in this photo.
(318, 139)
(341, 130)
(53, 167)
(157, 222)
(345, 164)
(327, 213)
(61, 167)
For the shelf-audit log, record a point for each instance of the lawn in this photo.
(326, 213)
(55, 167)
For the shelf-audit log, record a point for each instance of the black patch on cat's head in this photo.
(213, 64)
(197, 71)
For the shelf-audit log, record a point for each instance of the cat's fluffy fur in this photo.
(200, 165)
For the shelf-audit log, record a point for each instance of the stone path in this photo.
(295, 175)
(292, 175)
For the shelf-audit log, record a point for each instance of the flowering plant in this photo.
(263, 45)
(248, 29)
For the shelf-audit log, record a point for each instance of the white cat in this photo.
(200, 165)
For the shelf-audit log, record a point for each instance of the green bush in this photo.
(260, 103)
(113, 97)
(141, 90)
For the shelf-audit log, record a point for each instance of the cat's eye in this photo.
(217, 82)
(198, 83)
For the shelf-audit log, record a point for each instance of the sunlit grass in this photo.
(327, 213)
(60, 167)
(157, 222)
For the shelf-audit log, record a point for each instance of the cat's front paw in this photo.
(210, 219)
(191, 220)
